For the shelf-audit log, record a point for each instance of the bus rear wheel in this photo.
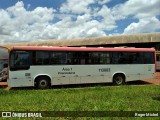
(118, 79)
(43, 83)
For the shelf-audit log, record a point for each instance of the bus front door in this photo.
(19, 74)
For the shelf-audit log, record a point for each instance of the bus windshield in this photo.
(19, 60)
(3, 63)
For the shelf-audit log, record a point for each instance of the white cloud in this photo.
(6, 18)
(76, 6)
(19, 25)
(137, 8)
(83, 18)
(94, 32)
(102, 2)
(146, 11)
(86, 12)
(81, 28)
(143, 26)
(108, 21)
(76, 19)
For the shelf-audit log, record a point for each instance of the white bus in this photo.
(158, 60)
(43, 67)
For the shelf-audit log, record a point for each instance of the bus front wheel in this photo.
(42, 83)
(118, 79)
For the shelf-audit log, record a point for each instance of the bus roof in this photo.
(49, 48)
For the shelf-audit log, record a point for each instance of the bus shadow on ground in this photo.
(138, 82)
(156, 98)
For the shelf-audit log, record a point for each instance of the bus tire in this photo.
(119, 79)
(42, 83)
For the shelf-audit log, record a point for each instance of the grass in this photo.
(99, 98)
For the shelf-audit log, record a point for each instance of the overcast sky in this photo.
(38, 20)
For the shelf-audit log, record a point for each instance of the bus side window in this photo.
(135, 58)
(69, 58)
(119, 58)
(58, 58)
(42, 58)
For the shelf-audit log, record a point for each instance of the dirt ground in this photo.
(155, 80)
